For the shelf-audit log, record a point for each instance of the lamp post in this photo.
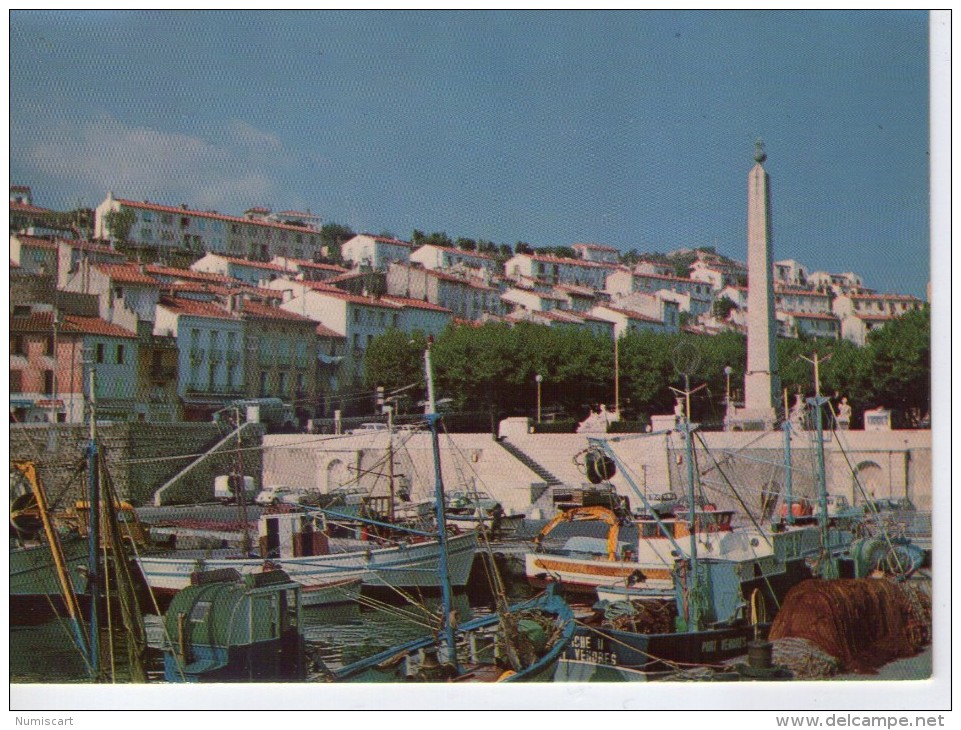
(727, 398)
(539, 378)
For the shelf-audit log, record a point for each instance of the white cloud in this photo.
(241, 169)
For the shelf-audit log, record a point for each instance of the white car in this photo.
(368, 428)
(276, 495)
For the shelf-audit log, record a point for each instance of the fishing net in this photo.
(652, 616)
(863, 623)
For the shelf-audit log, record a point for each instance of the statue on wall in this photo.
(844, 414)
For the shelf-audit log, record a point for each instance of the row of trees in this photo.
(494, 367)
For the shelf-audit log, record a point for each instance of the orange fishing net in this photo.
(864, 623)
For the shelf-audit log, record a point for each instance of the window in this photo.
(118, 292)
(100, 352)
(263, 382)
(184, 222)
(48, 382)
(16, 381)
(48, 345)
(120, 354)
(356, 341)
(282, 383)
(147, 216)
(201, 225)
(356, 316)
(18, 345)
(166, 219)
(146, 234)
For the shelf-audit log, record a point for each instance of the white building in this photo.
(808, 324)
(466, 297)
(556, 270)
(597, 253)
(375, 252)
(846, 283)
(795, 299)
(211, 348)
(661, 316)
(308, 270)
(443, 258)
(861, 313)
(790, 272)
(180, 227)
(254, 273)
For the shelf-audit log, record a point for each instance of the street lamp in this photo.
(539, 378)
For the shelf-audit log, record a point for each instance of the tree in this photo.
(394, 360)
(466, 244)
(332, 235)
(523, 248)
(900, 364)
(119, 223)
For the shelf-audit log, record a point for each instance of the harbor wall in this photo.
(891, 464)
(140, 457)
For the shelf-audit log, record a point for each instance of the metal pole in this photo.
(447, 627)
(93, 559)
(693, 618)
(617, 376)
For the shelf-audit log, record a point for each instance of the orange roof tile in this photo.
(127, 274)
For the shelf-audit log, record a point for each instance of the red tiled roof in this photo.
(444, 276)
(69, 324)
(313, 265)
(16, 207)
(885, 297)
(174, 273)
(812, 315)
(95, 326)
(194, 308)
(416, 304)
(177, 210)
(568, 262)
(127, 274)
(90, 246)
(37, 242)
(258, 310)
(785, 289)
(332, 291)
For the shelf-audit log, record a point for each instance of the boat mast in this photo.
(828, 567)
(788, 470)
(93, 555)
(447, 627)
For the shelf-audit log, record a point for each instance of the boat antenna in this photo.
(93, 555)
(432, 417)
(828, 568)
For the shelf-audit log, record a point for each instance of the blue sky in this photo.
(630, 129)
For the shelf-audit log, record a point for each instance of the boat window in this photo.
(200, 611)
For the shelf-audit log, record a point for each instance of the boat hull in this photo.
(409, 566)
(608, 655)
(336, 593)
(33, 573)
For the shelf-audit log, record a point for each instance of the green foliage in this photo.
(722, 307)
(394, 360)
(332, 235)
(466, 244)
(566, 426)
(636, 426)
(900, 355)
(522, 247)
(119, 223)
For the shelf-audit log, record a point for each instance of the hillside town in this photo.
(184, 311)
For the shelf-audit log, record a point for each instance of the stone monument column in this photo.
(761, 382)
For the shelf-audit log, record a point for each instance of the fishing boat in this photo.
(470, 508)
(225, 627)
(722, 597)
(296, 543)
(335, 593)
(516, 643)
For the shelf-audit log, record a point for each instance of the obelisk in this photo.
(761, 382)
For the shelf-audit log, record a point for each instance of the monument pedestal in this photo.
(753, 419)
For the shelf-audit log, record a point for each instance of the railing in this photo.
(233, 357)
(216, 355)
(196, 354)
(159, 372)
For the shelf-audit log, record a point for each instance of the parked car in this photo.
(277, 495)
(368, 428)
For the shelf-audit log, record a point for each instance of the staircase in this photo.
(530, 463)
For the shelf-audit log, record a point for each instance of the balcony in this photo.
(163, 373)
(196, 355)
(233, 357)
(216, 355)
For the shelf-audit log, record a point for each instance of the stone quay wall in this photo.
(140, 458)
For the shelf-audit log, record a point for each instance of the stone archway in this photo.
(337, 474)
(870, 476)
